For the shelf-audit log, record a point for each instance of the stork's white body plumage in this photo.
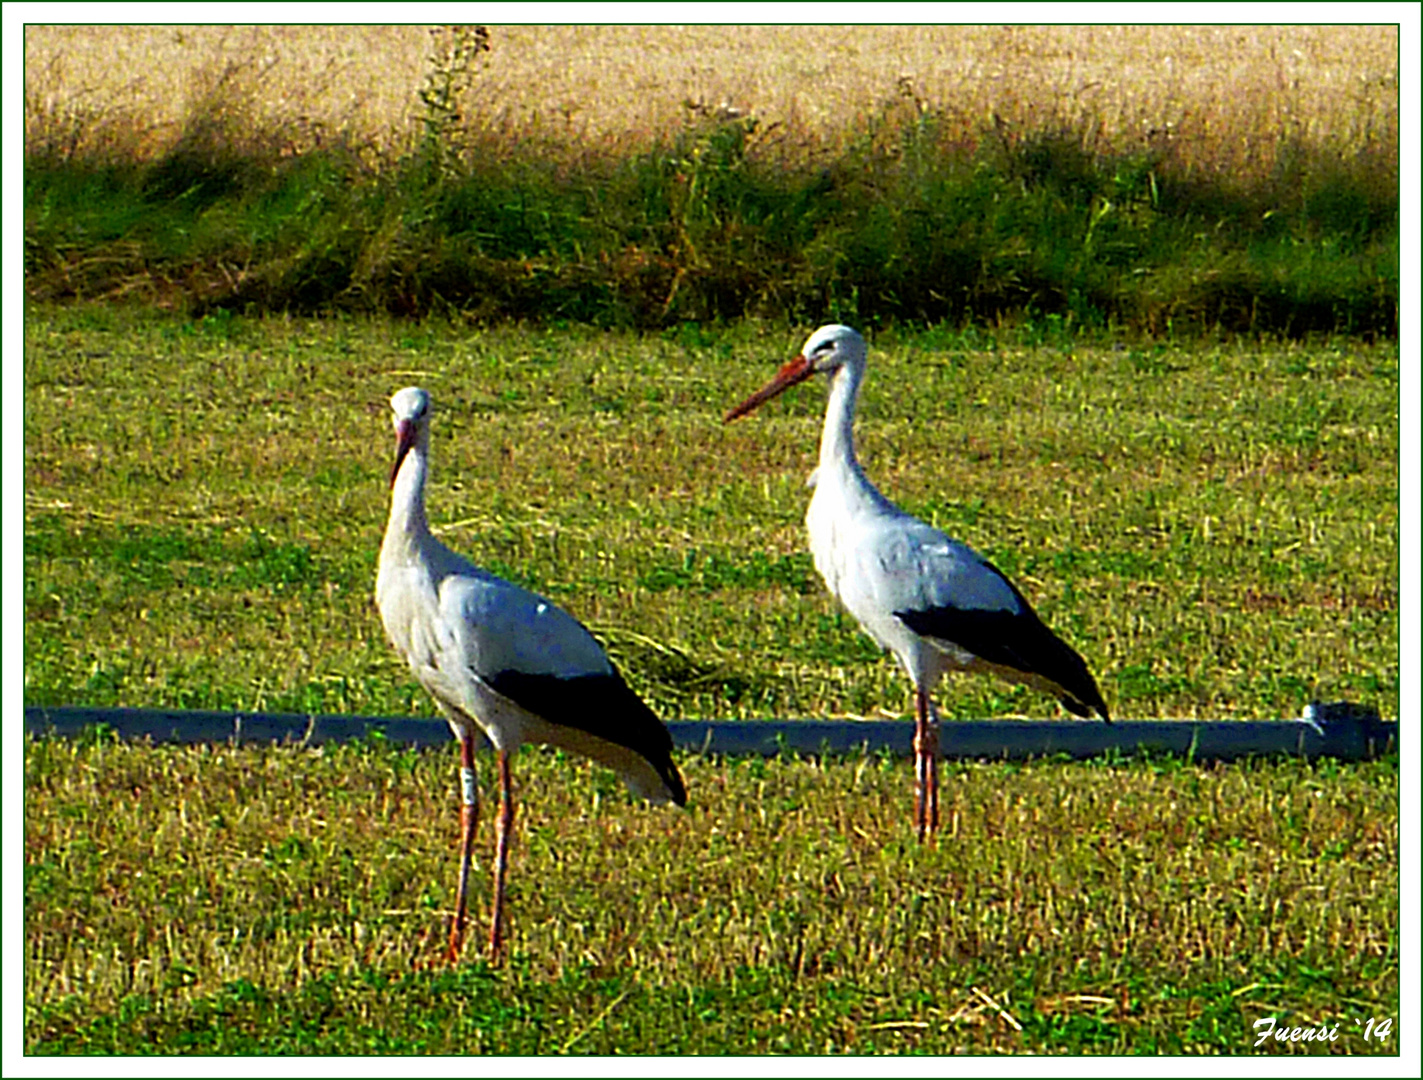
(933, 602)
(498, 658)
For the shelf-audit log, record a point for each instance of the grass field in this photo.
(1213, 524)
(288, 901)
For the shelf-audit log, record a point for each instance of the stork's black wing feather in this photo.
(1017, 640)
(604, 706)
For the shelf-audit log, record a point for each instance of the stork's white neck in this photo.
(840, 477)
(837, 438)
(407, 525)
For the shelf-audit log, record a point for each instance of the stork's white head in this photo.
(828, 349)
(412, 423)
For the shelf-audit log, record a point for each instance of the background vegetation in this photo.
(1267, 203)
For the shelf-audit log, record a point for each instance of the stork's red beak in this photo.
(798, 370)
(404, 440)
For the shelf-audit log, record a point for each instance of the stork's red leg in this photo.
(926, 766)
(501, 854)
(469, 822)
(931, 751)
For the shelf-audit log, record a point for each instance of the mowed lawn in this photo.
(296, 901)
(1212, 524)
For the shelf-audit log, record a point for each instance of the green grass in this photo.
(907, 224)
(220, 900)
(1213, 525)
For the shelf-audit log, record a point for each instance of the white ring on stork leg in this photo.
(467, 779)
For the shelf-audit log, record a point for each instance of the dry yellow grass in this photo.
(1228, 97)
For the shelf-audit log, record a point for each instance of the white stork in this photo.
(503, 659)
(934, 602)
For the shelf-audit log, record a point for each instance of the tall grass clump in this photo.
(919, 212)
